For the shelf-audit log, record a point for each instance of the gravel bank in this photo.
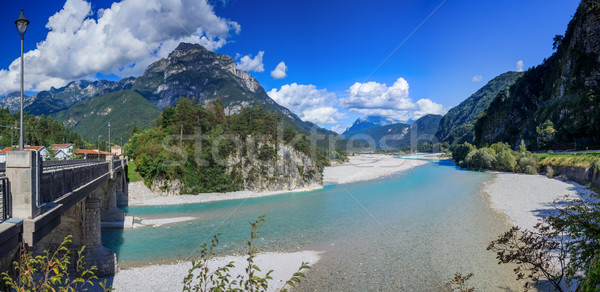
(524, 199)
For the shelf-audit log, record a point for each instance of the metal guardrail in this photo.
(66, 178)
(4, 199)
(53, 164)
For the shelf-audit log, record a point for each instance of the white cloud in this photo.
(308, 102)
(377, 99)
(255, 64)
(477, 78)
(280, 71)
(520, 66)
(123, 40)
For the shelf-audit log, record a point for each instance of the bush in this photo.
(528, 165)
(50, 271)
(461, 151)
(505, 160)
(549, 171)
(483, 158)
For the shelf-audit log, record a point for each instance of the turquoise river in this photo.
(407, 232)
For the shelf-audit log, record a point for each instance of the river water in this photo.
(407, 232)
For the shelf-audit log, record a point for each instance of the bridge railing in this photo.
(4, 199)
(53, 164)
(60, 180)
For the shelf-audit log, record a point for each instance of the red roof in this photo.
(36, 148)
(91, 152)
(61, 145)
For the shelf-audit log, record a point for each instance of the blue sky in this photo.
(343, 59)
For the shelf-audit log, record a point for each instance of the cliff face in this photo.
(288, 169)
(564, 89)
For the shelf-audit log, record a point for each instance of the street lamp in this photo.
(99, 146)
(21, 24)
(109, 149)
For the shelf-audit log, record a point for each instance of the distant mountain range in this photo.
(381, 133)
(189, 71)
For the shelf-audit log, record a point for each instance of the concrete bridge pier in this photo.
(108, 196)
(96, 254)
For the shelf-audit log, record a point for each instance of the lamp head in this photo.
(22, 23)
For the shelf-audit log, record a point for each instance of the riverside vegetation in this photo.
(197, 146)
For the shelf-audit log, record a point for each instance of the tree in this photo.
(556, 41)
(545, 134)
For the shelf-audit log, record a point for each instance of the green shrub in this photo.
(505, 160)
(461, 151)
(528, 165)
(549, 171)
(483, 158)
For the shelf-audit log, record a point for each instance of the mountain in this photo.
(124, 109)
(54, 100)
(456, 126)
(561, 95)
(401, 135)
(202, 75)
(365, 123)
(12, 101)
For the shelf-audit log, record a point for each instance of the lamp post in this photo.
(109, 149)
(99, 146)
(21, 24)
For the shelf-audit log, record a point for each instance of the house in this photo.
(92, 154)
(59, 154)
(116, 150)
(39, 149)
(66, 148)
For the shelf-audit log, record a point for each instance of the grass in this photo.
(582, 160)
(132, 174)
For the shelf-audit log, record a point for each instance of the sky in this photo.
(330, 62)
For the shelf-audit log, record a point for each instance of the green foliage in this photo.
(582, 160)
(194, 145)
(549, 171)
(124, 109)
(483, 158)
(498, 156)
(545, 134)
(201, 278)
(132, 174)
(459, 153)
(505, 161)
(50, 271)
(573, 234)
(38, 131)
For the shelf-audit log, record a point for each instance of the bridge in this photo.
(43, 201)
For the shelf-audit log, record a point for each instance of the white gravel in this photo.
(526, 198)
(170, 277)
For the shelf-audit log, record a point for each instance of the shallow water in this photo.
(410, 231)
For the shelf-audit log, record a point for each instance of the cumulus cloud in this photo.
(280, 71)
(308, 102)
(477, 78)
(520, 66)
(339, 128)
(247, 63)
(123, 40)
(377, 99)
